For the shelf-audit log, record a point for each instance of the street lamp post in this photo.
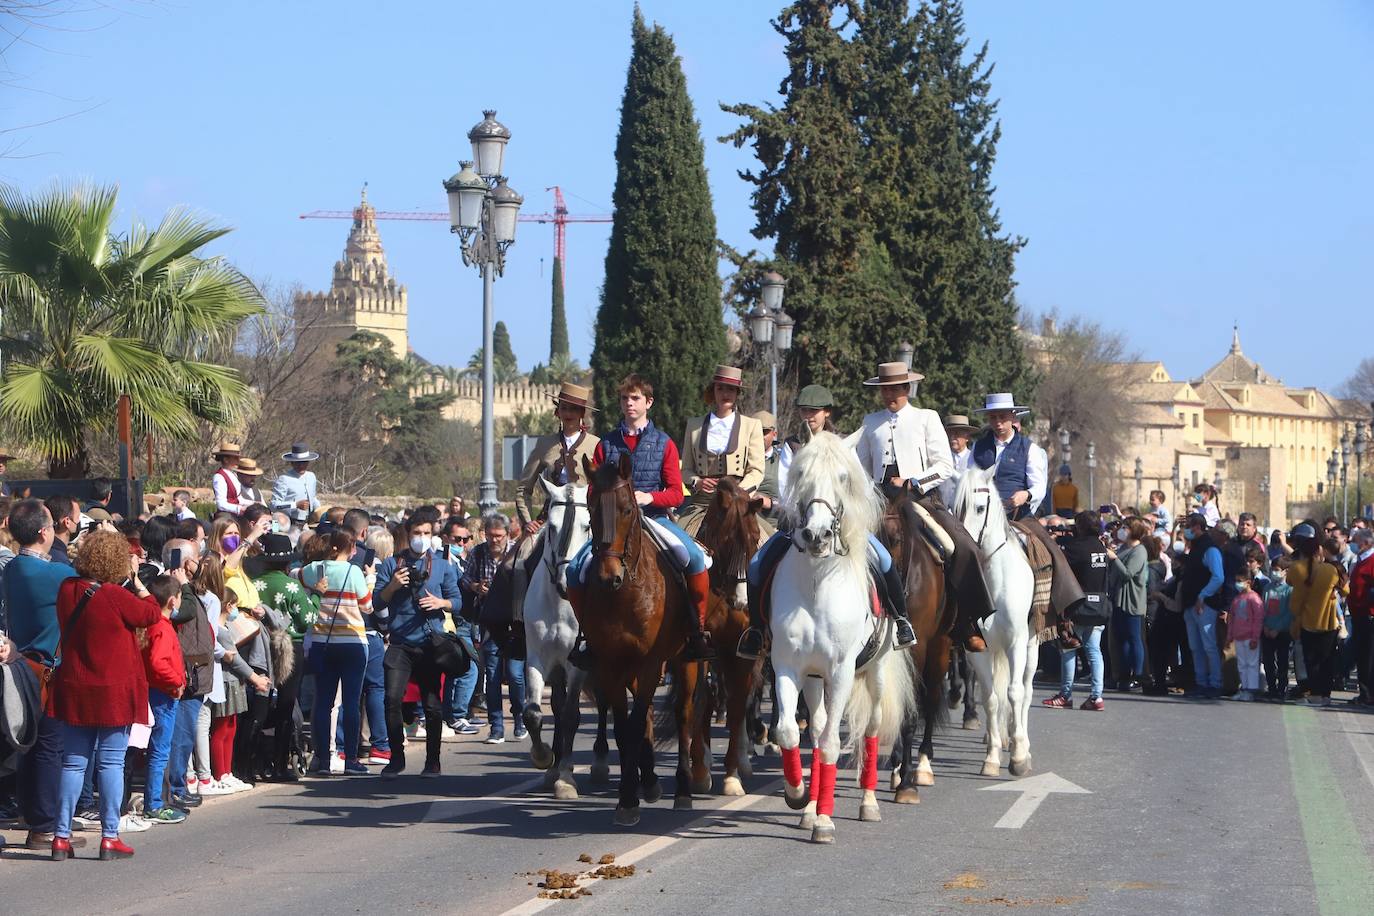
(1177, 479)
(482, 211)
(771, 329)
(1092, 469)
(1264, 497)
(1331, 464)
(1345, 484)
(1139, 481)
(1065, 447)
(1360, 444)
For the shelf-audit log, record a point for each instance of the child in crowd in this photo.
(1275, 639)
(1244, 625)
(166, 672)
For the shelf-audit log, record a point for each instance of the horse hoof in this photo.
(564, 790)
(896, 779)
(870, 813)
(772, 749)
(800, 801)
(746, 768)
(651, 792)
(808, 820)
(1019, 767)
(601, 774)
(702, 786)
(550, 778)
(626, 817)
(925, 778)
(907, 795)
(682, 803)
(541, 755)
(992, 769)
(824, 831)
(732, 786)
(972, 724)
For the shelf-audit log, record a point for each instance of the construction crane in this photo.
(560, 217)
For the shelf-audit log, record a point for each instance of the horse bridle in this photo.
(987, 516)
(606, 529)
(564, 539)
(841, 547)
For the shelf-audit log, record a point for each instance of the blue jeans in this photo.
(877, 555)
(513, 675)
(374, 697)
(696, 558)
(458, 690)
(40, 776)
(333, 664)
(106, 746)
(159, 747)
(1202, 639)
(183, 742)
(1127, 637)
(1068, 663)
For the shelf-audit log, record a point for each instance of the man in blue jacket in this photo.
(415, 588)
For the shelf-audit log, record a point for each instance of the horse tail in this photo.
(703, 698)
(896, 703)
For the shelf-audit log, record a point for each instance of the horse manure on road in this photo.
(614, 871)
(967, 881)
(584, 858)
(607, 859)
(558, 880)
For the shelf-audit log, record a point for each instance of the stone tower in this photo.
(362, 297)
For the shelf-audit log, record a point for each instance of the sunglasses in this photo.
(465, 540)
(1331, 530)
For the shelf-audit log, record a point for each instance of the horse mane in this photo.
(729, 529)
(827, 468)
(973, 478)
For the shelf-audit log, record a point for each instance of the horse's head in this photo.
(568, 527)
(978, 505)
(731, 530)
(833, 506)
(615, 519)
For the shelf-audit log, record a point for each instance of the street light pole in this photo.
(1345, 483)
(482, 213)
(1264, 497)
(1092, 473)
(1360, 444)
(1178, 483)
(771, 329)
(1331, 479)
(1139, 480)
(1065, 448)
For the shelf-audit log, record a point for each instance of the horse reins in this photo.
(836, 514)
(987, 516)
(564, 539)
(607, 528)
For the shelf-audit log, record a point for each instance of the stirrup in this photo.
(699, 648)
(905, 636)
(581, 655)
(750, 645)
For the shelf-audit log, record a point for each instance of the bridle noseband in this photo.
(561, 558)
(841, 547)
(987, 516)
(608, 526)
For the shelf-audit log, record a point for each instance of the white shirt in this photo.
(1209, 512)
(785, 456)
(913, 439)
(718, 432)
(182, 515)
(561, 472)
(221, 490)
(951, 485)
(1037, 471)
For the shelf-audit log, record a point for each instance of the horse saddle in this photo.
(1042, 566)
(942, 545)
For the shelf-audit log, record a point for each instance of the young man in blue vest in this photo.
(656, 472)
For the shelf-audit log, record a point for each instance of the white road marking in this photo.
(1034, 790)
(656, 845)
(1362, 742)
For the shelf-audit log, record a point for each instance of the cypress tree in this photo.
(558, 325)
(660, 313)
(504, 366)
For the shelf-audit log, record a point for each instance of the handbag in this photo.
(451, 655)
(45, 673)
(243, 628)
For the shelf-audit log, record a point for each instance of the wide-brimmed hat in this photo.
(575, 396)
(816, 397)
(893, 374)
(767, 419)
(229, 448)
(724, 375)
(276, 548)
(958, 423)
(299, 452)
(1001, 400)
(249, 467)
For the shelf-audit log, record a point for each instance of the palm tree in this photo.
(90, 314)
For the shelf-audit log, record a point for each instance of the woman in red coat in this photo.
(99, 688)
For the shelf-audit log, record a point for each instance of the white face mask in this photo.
(436, 544)
(1121, 535)
(419, 544)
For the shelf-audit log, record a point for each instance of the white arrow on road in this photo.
(1033, 791)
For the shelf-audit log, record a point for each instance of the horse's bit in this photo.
(564, 539)
(987, 516)
(836, 514)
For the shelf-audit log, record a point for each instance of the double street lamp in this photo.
(1345, 484)
(1065, 446)
(1092, 473)
(482, 213)
(771, 329)
(1361, 442)
(1331, 465)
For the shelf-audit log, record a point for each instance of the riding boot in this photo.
(581, 655)
(699, 648)
(751, 640)
(894, 600)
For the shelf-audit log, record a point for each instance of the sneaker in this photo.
(336, 764)
(183, 801)
(132, 823)
(9, 815)
(520, 734)
(234, 783)
(215, 788)
(317, 767)
(1058, 701)
(86, 820)
(393, 770)
(464, 727)
(354, 768)
(905, 636)
(449, 733)
(411, 729)
(476, 719)
(431, 771)
(419, 731)
(1093, 704)
(201, 784)
(166, 815)
(1243, 696)
(379, 758)
(495, 739)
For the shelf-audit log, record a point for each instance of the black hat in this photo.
(277, 548)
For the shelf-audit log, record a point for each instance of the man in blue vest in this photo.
(656, 472)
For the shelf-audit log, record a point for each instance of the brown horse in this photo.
(634, 617)
(931, 611)
(730, 530)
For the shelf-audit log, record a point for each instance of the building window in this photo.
(1195, 420)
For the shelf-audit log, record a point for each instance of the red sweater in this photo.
(1362, 587)
(162, 662)
(670, 497)
(100, 681)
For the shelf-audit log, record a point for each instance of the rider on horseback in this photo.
(815, 403)
(724, 443)
(657, 479)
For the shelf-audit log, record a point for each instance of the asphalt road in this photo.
(1190, 807)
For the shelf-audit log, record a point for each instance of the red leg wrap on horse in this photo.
(791, 765)
(815, 774)
(826, 803)
(869, 780)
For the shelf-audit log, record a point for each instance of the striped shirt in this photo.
(343, 605)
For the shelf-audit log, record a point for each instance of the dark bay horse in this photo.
(730, 530)
(931, 611)
(634, 617)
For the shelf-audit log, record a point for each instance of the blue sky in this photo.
(1175, 166)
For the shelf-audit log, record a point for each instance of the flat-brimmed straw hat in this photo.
(1001, 400)
(958, 423)
(249, 467)
(227, 448)
(893, 374)
(299, 452)
(724, 375)
(574, 396)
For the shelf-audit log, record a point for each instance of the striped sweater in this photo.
(343, 605)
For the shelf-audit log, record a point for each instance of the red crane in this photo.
(560, 217)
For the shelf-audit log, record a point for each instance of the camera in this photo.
(416, 584)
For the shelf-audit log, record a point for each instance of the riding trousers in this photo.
(877, 555)
(691, 559)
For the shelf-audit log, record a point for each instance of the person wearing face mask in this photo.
(181, 558)
(415, 589)
(1128, 579)
(1201, 599)
(458, 691)
(298, 607)
(1205, 503)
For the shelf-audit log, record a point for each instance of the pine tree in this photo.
(558, 325)
(660, 312)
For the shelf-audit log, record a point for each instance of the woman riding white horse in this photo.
(822, 620)
(1005, 670)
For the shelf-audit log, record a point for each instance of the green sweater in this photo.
(285, 594)
(1129, 580)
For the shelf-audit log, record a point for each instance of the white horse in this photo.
(822, 619)
(550, 631)
(1005, 670)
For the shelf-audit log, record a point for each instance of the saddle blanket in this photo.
(1042, 565)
